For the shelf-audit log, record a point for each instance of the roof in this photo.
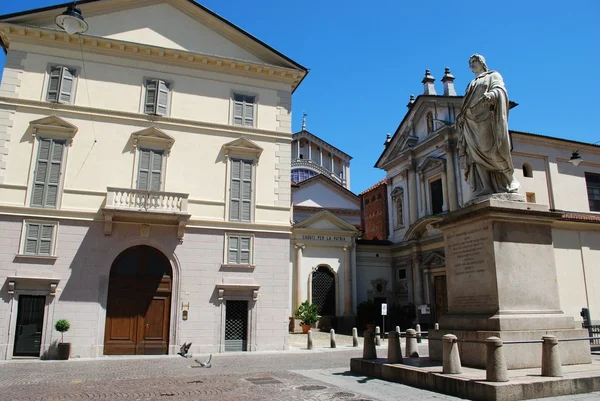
(320, 177)
(203, 8)
(597, 144)
(380, 183)
(592, 218)
(305, 132)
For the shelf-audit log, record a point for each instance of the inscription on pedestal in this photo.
(470, 268)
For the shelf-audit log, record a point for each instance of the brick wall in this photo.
(373, 208)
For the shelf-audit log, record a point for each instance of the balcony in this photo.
(146, 207)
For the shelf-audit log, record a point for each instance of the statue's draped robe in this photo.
(484, 139)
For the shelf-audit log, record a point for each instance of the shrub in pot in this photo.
(64, 349)
(308, 314)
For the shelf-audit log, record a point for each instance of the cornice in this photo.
(87, 111)
(96, 44)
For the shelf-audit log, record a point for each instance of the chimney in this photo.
(448, 81)
(411, 101)
(428, 86)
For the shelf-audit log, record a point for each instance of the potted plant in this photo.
(308, 314)
(64, 349)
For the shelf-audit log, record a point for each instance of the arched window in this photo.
(299, 175)
(527, 171)
(323, 290)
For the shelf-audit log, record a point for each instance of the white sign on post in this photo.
(383, 309)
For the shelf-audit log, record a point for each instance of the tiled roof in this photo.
(380, 183)
(593, 218)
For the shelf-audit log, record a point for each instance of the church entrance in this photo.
(139, 303)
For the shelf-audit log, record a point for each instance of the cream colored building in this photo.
(425, 181)
(144, 182)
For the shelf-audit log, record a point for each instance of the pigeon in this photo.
(183, 351)
(204, 364)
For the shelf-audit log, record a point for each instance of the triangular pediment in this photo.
(322, 192)
(53, 126)
(152, 135)
(242, 147)
(430, 162)
(433, 259)
(172, 24)
(326, 221)
(53, 121)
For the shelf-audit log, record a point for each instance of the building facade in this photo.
(425, 181)
(144, 182)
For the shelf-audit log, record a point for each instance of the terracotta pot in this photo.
(64, 351)
(305, 328)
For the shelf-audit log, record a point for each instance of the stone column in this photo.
(310, 151)
(321, 156)
(423, 195)
(417, 282)
(450, 176)
(412, 193)
(347, 283)
(332, 166)
(444, 191)
(298, 149)
(297, 280)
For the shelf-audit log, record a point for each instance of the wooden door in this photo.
(441, 296)
(139, 304)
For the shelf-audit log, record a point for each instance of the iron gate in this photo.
(236, 326)
(323, 291)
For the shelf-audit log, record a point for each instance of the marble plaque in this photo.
(471, 268)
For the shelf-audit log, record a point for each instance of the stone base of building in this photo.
(517, 356)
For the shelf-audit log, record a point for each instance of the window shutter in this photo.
(151, 96)
(66, 86)
(45, 240)
(156, 171)
(246, 190)
(144, 169)
(238, 113)
(41, 172)
(233, 250)
(54, 84)
(54, 173)
(32, 233)
(249, 115)
(235, 190)
(245, 250)
(162, 100)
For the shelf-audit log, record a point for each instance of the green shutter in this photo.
(45, 242)
(54, 84)
(162, 100)
(156, 171)
(144, 169)
(249, 112)
(151, 96)
(243, 110)
(235, 190)
(66, 85)
(32, 233)
(47, 173)
(245, 250)
(150, 170)
(246, 197)
(233, 250)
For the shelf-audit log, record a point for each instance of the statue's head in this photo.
(480, 59)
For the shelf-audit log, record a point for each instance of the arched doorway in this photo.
(139, 303)
(323, 290)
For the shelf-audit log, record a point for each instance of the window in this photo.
(158, 94)
(61, 84)
(243, 110)
(150, 170)
(300, 175)
(38, 238)
(401, 274)
(530, 197)
(239, 249)
(593, 188)
(527, 171)
(240, 202)
(437, 196)
(47, 172)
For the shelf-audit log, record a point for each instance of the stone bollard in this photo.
(398, 329)
(377, 336)
(332, 338)
(551, 365)
(354, 337)
(412, 350)
(495, 365)
(418, 330)
(394, 348)
(436, 326)
(369, 350)
(450, 356)
(309, 344)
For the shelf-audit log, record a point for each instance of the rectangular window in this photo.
(238, 250)
(61, 84)
(150, 170)
(593, 189)
(243, 110)
(530, 197)
(240, 203)
(437, 196)
(39, 239)
(46, 177)
(401, 274)
(157, 97)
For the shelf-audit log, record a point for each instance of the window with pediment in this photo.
(152, 147)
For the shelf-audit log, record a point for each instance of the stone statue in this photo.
(483, 138)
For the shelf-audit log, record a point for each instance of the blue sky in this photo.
(366, 58)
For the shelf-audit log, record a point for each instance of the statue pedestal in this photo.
(501, 278)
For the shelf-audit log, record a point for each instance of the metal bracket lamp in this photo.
(576, 158)
(71, 21)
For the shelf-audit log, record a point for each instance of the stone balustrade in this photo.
(147, 201)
